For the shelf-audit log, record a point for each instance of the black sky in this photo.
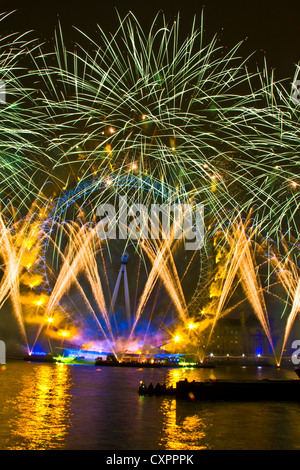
(271, 27)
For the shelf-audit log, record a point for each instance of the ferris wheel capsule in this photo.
(124, 258)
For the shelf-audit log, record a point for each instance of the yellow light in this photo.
(134, 166)
(177, 338)
(144, 117)
(64, 333)
(111, 130)
(49, 320)
(294, 184)
(109, 182)
(191, 326)
(39, 302)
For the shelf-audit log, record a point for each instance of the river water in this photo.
(59, 406)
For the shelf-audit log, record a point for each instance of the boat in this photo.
(40, 358)
(230, 390)
(149, 364)
(182, 365)
(115, 363)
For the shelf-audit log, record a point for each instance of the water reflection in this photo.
(48, 406)
(192, 425)
(181, 432)
(42, 409)
(174, 375)
(181, 429)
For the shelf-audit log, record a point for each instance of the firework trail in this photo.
(240, 267)
(174, 110)
(287, 270)
(157, 117)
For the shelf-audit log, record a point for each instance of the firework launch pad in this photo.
(133, 359)
(83, 356)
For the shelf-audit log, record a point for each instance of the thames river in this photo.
(69, 407)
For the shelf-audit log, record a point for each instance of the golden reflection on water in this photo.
(42, 417)
(180, 429)
(174, 375)
(181, 432)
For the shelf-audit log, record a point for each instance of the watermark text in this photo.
(2, 352)
(160, 221)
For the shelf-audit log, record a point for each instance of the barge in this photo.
(229, 390)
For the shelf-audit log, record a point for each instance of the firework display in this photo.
(156, 118)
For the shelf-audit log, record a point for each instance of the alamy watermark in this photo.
(2, 352)
(2, 92)
(296, 355)
(159, 221)
(296, 92)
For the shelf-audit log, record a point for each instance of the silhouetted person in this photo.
(150, 388)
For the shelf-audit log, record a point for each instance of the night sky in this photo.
(271, 28)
